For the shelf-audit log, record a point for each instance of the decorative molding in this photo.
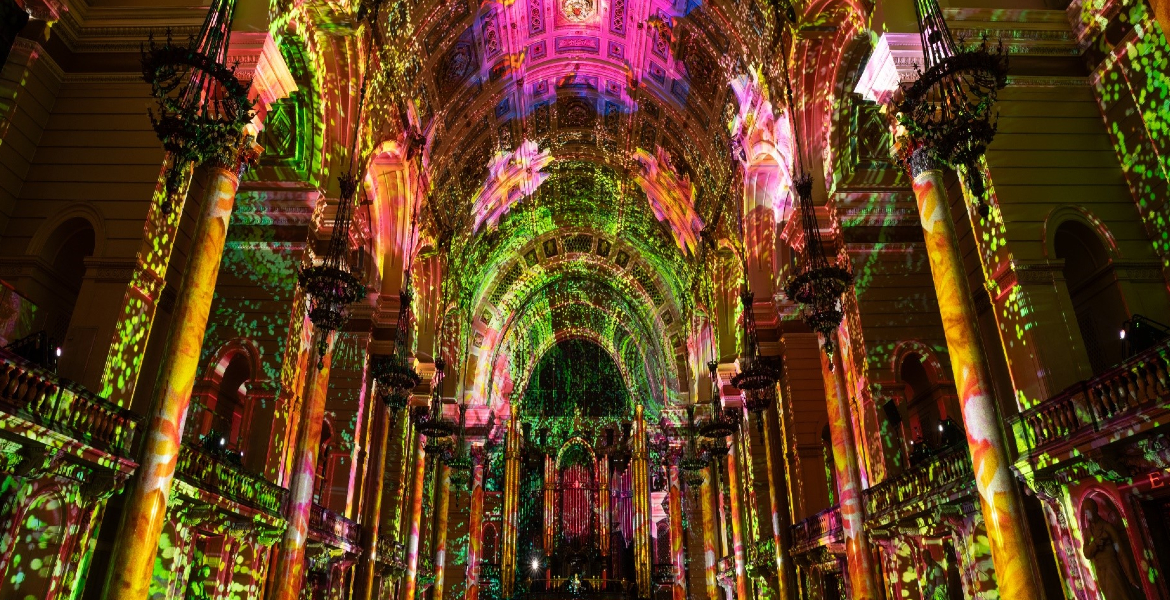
(110, 269)
(37, 53)
(1032, 81)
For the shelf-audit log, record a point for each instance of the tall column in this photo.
(1015, 569)
(442, 508)
(136, 315)
(677, 552)
(416, 515)
(290, 565)
(142, 522)
(475, 532)
(862, 571)
(781, 513)
(641, 490)
(511, 503)
(603, 514)
(364, 579)
(550, 504)
(710, 525)
(736, 502)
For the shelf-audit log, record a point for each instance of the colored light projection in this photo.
(670, 196)
(604, 247)
(512, 176)
(1132, 83)
(999, 497)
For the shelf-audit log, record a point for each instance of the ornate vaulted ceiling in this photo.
(589, 143)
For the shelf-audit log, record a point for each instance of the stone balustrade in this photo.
(912, 489)
(817, 530)
(64, 406)
(333, 527)
(213, 474)
(1095, 404)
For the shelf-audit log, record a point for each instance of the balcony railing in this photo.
(64, 406)
(1093, 405)
(937, 476)
(817, 530)
(334, 527)
(213, 474)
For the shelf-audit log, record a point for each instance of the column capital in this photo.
(924, 159)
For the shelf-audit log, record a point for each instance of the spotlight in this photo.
(222, 441)
(535, 564)
(1122, 337)
(58, 352)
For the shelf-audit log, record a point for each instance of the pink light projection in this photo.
(671, 197)
(512, 176)
(767, 143)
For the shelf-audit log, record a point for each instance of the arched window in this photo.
(230, 402)
(322, 479)
(919, 389)
(66, 250)
(1096, 296)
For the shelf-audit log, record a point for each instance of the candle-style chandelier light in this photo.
(693, 460)
(431, 421)
(460, 463)
(332, 285)
(394, 372)
(723, 421)
(818, 281)
(950, 109)
(756, 379)
(202, 107)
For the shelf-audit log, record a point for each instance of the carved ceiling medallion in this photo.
(578, 11)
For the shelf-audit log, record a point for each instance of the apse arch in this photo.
(643, 342)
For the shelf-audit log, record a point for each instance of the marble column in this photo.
(290, 565)
(132, 564)
(999, 495)
(863, 578)
(475, 532)
(416, 515)
(511, 504)
(642, 516)
(737, 534)
(781, 512)
(372, 519)
(677, 551)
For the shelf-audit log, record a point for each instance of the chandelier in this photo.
(331, 285)
(693, 461)
(202, 107)
(620, 454)
(818, 284)
(459, 462)
(949, 110)
(756, 379)
(394, 372)
(723, 422)
(431, 422)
